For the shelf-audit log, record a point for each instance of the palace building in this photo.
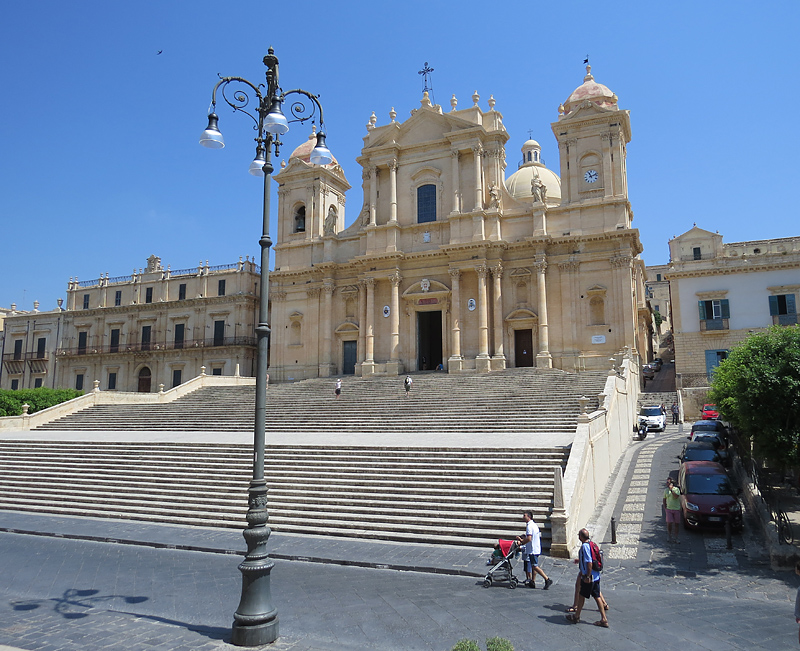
(452, 264)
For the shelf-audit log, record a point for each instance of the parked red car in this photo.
(710, 412)
(707, 497)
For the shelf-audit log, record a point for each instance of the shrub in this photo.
(498, 644)
(466, 645)
(11, 401)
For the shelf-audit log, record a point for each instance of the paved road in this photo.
(64, 593)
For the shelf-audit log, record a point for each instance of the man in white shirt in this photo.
(531, 544)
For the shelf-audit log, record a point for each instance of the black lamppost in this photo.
(256, 619)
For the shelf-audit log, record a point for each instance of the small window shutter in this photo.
(702, 307)
(726, 310)
(773, 305)
(791, 306)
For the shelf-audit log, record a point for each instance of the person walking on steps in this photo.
(675, 413)
(338, 390)
(590, 582)
(407, 384)
(531, 543)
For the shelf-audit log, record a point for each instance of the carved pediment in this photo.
(426, 287)
(522, 314)
(346, 328)
(522, 272)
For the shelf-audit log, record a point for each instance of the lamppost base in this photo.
(255, 635)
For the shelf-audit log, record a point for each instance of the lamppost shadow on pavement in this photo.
(71, 601)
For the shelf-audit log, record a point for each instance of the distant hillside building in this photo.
(723, 292)
(449, 262)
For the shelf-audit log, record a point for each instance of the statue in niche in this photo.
(494, 196)
(329, 227)
(538, 189)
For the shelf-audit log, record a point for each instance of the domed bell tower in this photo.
(592, 134)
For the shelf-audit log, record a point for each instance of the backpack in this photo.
(597, 556)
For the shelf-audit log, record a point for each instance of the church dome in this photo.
(520, 183)
(303, 152)
(589, 90)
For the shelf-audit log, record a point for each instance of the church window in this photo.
(182, 292)
(296, 337)
(148, 295)
(86, 301)
(221, 287)
(426, 203)
(597, 310)
(300, 219)
(118, 297)
(696, 253)
(529, 157)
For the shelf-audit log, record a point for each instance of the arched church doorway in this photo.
(144, 380)
(429, 340)
(523, 348)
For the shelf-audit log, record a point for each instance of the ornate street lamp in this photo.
(256, 619)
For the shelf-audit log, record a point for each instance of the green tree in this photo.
(658, 319)
(757, 388)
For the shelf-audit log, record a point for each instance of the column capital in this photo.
(455, 153)
(392, 164)
(477, 149)
(395, 278)
(367, 282)
(455, 274)
(482, 270)
(497, 270)
(540, 264)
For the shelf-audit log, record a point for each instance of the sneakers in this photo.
(548, 583)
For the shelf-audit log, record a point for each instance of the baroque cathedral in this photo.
(451, 265)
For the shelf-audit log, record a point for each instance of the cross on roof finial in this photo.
(425, 72)
(530, 134)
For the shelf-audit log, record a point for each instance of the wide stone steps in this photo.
(516, 400)
(456, 496)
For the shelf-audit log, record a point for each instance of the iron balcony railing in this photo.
(26, 356)
(713, 324)
(155, 346)
(784, 319)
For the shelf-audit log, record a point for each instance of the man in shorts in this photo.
(672, 507)
(590, 582)
(531, 548)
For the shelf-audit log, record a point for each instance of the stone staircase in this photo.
(514, 401)
(658, 398)
(464, 495)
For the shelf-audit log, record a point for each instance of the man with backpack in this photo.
(590, 561)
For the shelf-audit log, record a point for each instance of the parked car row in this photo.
(649, 370)
(708, 498)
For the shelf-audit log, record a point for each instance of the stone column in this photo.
(483, 361)
(393, 191)
(326, 367)
(362, 320)
(394, 366)
(373, 194)
(608, 167)
(499, 358)
(455, 362)
(369, 322)
(543, 358)
(456, 155)
(477, 151)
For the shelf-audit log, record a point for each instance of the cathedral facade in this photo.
(451, 264)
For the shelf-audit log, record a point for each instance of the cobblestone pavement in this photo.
(170, 587)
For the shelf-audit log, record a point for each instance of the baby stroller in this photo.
(503, 570)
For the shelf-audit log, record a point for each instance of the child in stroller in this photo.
(502, 560)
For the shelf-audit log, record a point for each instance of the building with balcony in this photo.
(723, 292)
(28, 343)
(159, 326)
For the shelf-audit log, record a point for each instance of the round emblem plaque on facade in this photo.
(471, 305)
(386, 310)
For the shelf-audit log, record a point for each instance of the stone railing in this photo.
(602, 437)
(97, 397)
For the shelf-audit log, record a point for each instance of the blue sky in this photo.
(100, 165)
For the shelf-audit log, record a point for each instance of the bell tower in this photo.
(592, 134)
